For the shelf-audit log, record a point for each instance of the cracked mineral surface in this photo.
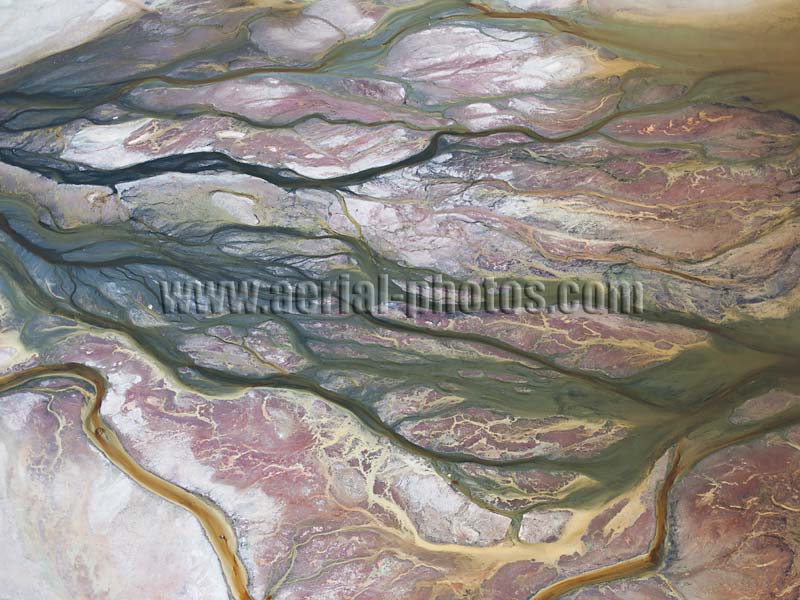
(237, 356)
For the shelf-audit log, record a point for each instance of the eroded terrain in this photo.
(482, 454)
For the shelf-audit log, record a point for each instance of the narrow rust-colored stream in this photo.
(219, 531)
(633, 566)
(223, 539)
(687, 454)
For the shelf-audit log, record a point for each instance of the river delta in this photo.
(400, 454)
